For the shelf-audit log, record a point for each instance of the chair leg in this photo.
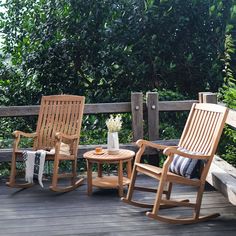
(131, 188)
(197, 208)
(157, 202)
(74, 173)
(168, 191)
(74, 183)
(128, 198)
(12, 180)
(55, 174)
(129, 195)
(132, 183)
(198, 201)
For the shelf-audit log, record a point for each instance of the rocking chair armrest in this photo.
(173, 150)
(18, 133)
(142, 142)
(60, 136)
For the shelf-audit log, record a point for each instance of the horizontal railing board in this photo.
(121, 107)
(176, 105)
(14, 111)
(5, 154)
(126, 106)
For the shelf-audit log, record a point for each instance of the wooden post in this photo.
(153, 123)
(209, 97)
(200, 97)
(137, 115)
(153, 115)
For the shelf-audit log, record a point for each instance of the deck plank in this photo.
(37, 211)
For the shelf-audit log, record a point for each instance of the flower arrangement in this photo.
(114, 123)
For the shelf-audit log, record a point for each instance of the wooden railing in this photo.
(138, 109)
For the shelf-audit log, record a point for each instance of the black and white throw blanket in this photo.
(34, 161)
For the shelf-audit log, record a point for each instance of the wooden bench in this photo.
(222, 176)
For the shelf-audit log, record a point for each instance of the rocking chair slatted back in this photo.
(58, 114)
(201, 133)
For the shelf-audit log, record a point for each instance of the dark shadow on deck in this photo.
(39, 211)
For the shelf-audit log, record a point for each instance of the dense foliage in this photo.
(228, 95)
(105, 49)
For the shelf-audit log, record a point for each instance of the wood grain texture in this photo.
(153, 116)
(5, 154)
(201, 135)
(223, 177)
(122, 107)
(59, 120)
(123, 157)
(123, 154)
(40, 212)
(209, 97)
(97, 108)
(231, 118)
(109, 182)
(137, 115)
(176, 105)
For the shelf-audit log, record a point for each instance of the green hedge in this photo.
(104, 49)
(227, 147)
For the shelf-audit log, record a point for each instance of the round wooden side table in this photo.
(124, 156)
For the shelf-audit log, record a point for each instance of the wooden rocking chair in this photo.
(59, 120)
(197, 145)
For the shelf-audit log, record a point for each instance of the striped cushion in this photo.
(184, 166)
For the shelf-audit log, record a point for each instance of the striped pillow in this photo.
(184, 166)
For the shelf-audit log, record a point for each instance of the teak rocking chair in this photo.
(59, 120)
(199, 141)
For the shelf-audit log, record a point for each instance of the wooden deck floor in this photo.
(39, 211)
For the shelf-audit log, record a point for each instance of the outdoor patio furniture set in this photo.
(59, 122)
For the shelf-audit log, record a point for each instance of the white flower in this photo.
(114, 123)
